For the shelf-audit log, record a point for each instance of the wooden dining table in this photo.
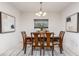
(55, 37)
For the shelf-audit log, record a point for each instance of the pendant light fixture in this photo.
(41, 12)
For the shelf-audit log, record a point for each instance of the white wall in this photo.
(71, 40)
(54, 22)
(9, 40)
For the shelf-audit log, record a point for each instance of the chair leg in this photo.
(40, 51)
(24, 48)
(52, 51)
(43, 51)
(61, 50)
(32, 51)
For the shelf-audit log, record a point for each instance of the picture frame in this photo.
(40, 23)
(7, 23)
(72, 23)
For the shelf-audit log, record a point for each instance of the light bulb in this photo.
(44, 13)
(36, 14)
(40, 12)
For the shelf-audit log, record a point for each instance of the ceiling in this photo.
(35, 6)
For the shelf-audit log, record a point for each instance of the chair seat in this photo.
(56, 43)
(29, 42)
(38, 44)
(45, 44)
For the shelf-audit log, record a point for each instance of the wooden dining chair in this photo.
(59, 41)
(42, 39)
(61, 35)
(34, 40)
(37, 41)
(49, 41)
(26, 40)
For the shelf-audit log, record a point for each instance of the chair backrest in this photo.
(42, 36)
(61, 35)
(23, 35)
(48, 35)
(35, 40)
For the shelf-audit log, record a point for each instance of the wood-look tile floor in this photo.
(18, 51)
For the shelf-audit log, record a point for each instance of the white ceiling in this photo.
(34, 6)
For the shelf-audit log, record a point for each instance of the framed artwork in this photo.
(40, 23)
(7, 23)
(72, 23)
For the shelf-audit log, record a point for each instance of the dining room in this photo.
(39, 28)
